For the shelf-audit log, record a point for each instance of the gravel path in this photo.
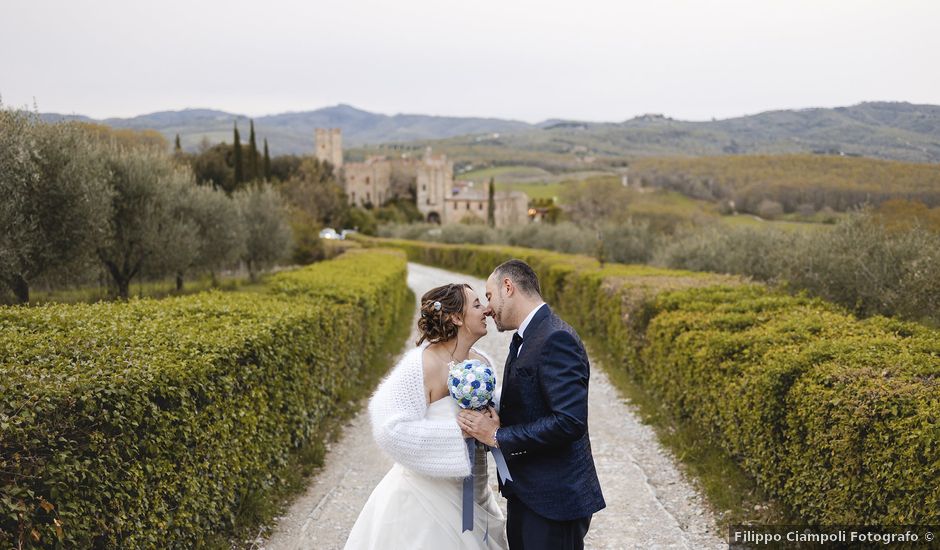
(650, 504)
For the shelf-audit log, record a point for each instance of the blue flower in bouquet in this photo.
(472, 383)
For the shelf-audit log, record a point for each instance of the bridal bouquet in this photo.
(472, 384)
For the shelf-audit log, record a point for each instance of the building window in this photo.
(468, 205)
(455, 205)
(424, 187)
(480, 206)
(367, 180)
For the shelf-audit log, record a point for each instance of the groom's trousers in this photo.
(527, 530)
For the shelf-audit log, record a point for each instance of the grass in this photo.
(748, 220)
(731, 494)
(534, 190)
(258, 508)
(147, 289)
(505, 173)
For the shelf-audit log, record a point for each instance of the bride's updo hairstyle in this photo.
(437, 306)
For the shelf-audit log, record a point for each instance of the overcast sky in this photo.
(522, 59)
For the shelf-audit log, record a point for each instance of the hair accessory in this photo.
(437, 306)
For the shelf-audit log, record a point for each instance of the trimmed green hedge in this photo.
(839, 418)
(143, 424)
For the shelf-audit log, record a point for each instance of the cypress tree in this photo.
(179, 148)
(267, 161)
(491, 206)
(237, 158)
(252, 154)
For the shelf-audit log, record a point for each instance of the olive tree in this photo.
(56, 201)
(215, 224)
(146, 227)
(267, 231)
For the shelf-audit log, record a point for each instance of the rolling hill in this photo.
(887, 130)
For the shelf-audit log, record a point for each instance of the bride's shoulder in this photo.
(413, 357)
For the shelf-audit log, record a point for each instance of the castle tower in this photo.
(435, 180)
(329, 144)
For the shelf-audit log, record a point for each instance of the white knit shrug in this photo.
(397, 409)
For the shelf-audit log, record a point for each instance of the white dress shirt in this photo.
(525, 323)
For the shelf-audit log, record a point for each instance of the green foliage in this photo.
(398, 210)
(150, 424)
(628, 242)
(833, 416)
(146, 186)
(253, 172)
(861, 263)
(268, 232)
(491, 203)
(312, 189)
(901, 215)
(214, 166)
(101, 134)
(819, 181)
(605, 199)
(56, 201)
(830, 414)
(307, 246)
(361, 220)
(237, 161)
(266, 166)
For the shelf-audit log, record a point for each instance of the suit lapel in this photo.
(540, 315)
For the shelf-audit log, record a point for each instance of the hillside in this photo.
(292, 133)
(893, 131)
(898, 131)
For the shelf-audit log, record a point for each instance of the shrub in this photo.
(833, 415)
(145, 424)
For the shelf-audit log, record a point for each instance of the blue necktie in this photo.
(514, 347)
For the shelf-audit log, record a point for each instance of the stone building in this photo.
(367, 183)
(434, 182)
(468, 203)
(439, 198)
(329, 145)
(444, 201)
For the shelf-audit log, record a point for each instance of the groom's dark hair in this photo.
(521, 275)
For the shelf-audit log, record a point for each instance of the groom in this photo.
(542, 425)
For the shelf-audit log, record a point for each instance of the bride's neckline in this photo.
(439, 400)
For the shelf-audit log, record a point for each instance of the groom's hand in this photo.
(480, 425)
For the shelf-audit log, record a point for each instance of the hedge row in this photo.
(837, 417)
(144, 424)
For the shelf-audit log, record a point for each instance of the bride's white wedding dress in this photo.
(413, 510)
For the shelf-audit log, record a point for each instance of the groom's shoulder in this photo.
(556, 323)
(558, 328)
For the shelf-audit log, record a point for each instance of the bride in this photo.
(418, 503)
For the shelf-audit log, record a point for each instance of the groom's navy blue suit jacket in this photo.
(543, 414)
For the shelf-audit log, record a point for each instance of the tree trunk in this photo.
(124, 288)
(179, 281)
(122, 281)
(251, 272)
(20, 288)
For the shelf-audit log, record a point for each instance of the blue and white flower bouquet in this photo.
(472, 383)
